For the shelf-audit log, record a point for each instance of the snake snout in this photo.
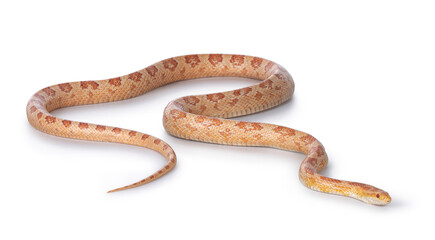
(379, 198)
(385, 197)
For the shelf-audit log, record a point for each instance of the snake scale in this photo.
(201, 117)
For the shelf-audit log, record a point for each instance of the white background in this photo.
(364, 75)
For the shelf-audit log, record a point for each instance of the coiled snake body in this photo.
(200, 117)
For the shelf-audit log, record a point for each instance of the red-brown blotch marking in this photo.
(50, 119)
(215, 97)
(242, 91)
(193, 60)
(83, 125)
(237, 60)
(256, 62)
(115, 81)
(50, 92)
(157, 141)
(191, 100)
(152, 70)
(136, 76)
(170, 64)
(176, 114)
(39, 115)
(117, 130)
(132, 133)
(215, 59)
(284, 131)
(268, 66)
(86, 84)
(266, 84)
(100, 128)
(66, 123)
(208, 122)
(65, 87)
(249, 126)
(33, 109)
(145, 137)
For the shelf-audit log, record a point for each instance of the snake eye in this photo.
(377, 195)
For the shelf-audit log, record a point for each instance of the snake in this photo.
(204, 118)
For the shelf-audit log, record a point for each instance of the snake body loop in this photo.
(200, 117)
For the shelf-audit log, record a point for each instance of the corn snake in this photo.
(200, 117)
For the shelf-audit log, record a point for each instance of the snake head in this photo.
(376, 197)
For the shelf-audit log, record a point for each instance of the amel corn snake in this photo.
(201, 117)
